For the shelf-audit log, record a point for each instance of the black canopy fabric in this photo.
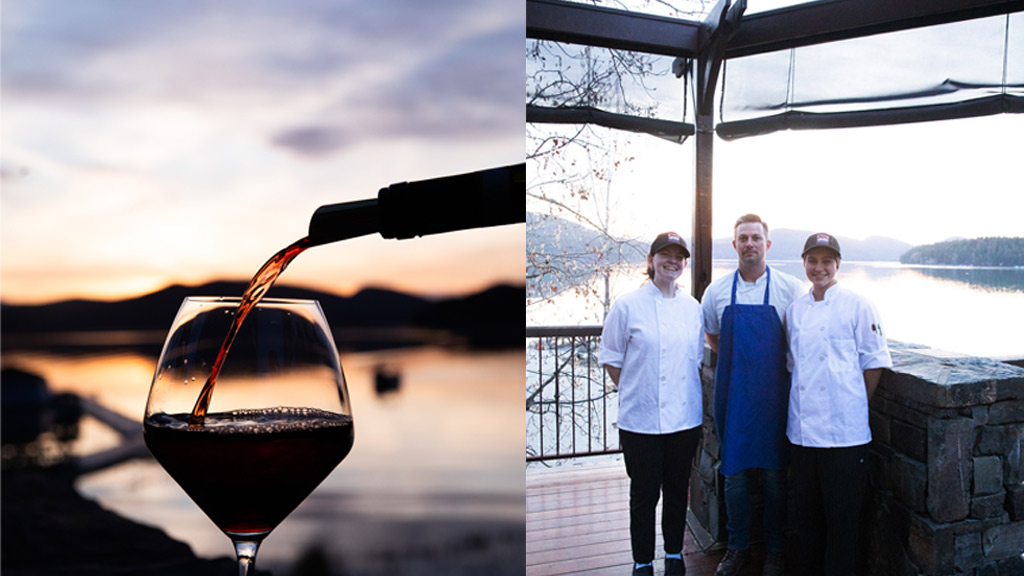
(958, 70)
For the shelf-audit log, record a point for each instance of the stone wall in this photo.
(947, 469)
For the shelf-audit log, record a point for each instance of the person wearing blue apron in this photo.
(743, 314)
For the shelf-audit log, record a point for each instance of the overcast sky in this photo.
(918, 183)
(145, 143)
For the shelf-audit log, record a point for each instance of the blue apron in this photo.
(751, 385)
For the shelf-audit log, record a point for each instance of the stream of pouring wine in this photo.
(258, 287)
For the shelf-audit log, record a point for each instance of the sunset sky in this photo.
(149, 143)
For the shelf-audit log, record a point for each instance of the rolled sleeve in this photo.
(872, 348)
(613, 338)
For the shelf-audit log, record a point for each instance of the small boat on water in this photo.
(386, 380)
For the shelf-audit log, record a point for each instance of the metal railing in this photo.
(571, 404)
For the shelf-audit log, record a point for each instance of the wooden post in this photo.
(700, 263)
(720, 26)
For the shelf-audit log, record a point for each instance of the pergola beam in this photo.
(799, 25)
(577, 23)
(834, 20)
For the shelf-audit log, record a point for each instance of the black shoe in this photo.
(774, 564)
(643, 570)
(674, 567)
(732, 562)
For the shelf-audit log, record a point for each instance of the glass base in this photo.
(245, 551)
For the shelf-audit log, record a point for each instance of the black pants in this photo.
(656, 464)
(829, 486)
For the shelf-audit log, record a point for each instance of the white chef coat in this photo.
(718, 295)
(831, 343)
(658, 343)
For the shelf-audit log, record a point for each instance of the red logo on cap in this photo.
(674, 237)
(823, 238)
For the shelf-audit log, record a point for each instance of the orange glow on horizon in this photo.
(442, 265)
(36, 291)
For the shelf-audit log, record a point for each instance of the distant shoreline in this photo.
(372, 318)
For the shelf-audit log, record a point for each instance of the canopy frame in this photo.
(727, 34)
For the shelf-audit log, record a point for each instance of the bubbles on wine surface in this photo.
(254, 421)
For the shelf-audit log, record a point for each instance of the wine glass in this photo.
(277, 421)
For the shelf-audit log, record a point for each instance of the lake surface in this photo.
(973, 311)
(438, 462)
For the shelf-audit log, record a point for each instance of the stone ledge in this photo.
(949, 380)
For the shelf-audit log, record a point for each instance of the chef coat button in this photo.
(802, 388)
(822, 328)
(822, 388)
(822, 357)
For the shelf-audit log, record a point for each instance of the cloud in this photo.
(467, 89)
(11, 172)
(143, 124)
(316, 76)
(311, 141)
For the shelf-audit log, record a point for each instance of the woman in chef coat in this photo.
(651, 346)
(837, 352)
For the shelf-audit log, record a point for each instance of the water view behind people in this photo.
(968, 310)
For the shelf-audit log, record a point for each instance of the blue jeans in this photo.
(737, 506)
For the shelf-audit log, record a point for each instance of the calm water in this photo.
(444, 451)
(975, 311)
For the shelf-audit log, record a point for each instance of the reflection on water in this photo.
(974, 311)
(985, 279)
(439, 460)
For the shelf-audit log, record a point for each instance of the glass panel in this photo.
(684, 9)
(1015, 55)
(755, 6)
(934, 65)
(689, 9)
(596, 198)
(618, 81)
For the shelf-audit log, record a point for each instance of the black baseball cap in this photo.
(821, 240)
(669, 239)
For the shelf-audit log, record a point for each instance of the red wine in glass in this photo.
(248, 469)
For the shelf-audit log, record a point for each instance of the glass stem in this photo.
(245, 551)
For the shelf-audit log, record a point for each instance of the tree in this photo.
(571, 168)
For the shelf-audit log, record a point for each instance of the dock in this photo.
(132, 444)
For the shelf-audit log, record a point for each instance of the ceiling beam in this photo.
(585, 24)
(833, 20)
(794, 26)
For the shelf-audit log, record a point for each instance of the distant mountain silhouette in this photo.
(787, 245)
(556, 236)
(493, 318)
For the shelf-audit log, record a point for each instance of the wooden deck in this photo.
(577, 522)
